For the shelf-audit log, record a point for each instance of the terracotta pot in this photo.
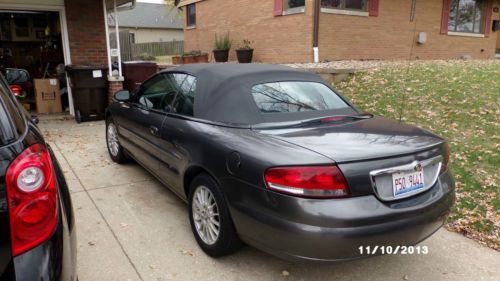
(202, 58)
(177, 60)
(221, 55)
(189, 59)
(244, 55)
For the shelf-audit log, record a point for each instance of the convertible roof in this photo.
(223, 91)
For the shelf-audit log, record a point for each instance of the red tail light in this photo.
(16, 90)
(308, 181)
(32, 199)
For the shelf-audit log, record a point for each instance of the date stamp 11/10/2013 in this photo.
(393, 250)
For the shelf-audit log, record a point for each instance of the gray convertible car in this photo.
(275, 158)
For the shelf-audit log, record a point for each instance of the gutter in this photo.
(317, 10)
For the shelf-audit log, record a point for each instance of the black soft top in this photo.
(223, 92)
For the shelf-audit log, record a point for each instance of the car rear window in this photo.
(295, 96)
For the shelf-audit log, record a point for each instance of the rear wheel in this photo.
(115, 149)
(211, 223)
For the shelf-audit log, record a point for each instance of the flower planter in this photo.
(189, 59)
(244, 55)
(202, 58)
(177, 60)
(221, 55)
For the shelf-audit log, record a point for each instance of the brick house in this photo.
(291, 30)
(81, 28)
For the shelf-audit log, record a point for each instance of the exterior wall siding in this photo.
(150, 35)
(288, 38)
(276, 39)
(87, 36)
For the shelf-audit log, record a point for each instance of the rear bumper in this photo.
(333, 230)
(51, 260)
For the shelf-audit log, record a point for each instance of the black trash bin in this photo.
(89, 88)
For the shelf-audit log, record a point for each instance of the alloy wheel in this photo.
(206, 215)
(113, 144)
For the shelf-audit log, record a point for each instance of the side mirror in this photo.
(123, 95)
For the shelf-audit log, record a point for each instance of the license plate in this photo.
(407, 182)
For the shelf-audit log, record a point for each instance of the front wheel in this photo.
(211, 223)
(115, 149)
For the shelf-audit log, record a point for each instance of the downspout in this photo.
(317, 10)
(108, 44)
(117, 34)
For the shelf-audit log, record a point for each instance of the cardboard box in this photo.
(48, 96)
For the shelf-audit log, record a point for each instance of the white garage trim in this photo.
(64, 32)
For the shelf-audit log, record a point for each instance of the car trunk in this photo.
(362, 147)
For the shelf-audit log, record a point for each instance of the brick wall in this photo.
(114, 86)
(276, 39)
(289, 38)
(389, 36)
(87, 36)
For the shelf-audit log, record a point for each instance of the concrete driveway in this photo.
(130, 227)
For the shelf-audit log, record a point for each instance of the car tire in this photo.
(115, 150)
(226, 240)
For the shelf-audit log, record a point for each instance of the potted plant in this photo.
(245, 52)
(222, 46)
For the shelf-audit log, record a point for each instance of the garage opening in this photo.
(32, 59)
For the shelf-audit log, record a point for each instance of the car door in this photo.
(174, 131)
(145, 119)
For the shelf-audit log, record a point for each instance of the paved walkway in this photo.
(132, 228)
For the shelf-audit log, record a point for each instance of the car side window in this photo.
(184, 101)
(157, 93)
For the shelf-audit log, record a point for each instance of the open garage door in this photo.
(34, 37)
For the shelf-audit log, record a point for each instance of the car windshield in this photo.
(295, 96)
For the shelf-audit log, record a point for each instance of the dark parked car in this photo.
(275, 158)
(20, 82)
(37, 227)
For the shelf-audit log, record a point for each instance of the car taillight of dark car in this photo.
(32, 198)
(308, 181)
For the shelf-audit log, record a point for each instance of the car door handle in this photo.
(154, 130)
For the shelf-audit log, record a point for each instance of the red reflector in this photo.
(308, 181)
(32, 199)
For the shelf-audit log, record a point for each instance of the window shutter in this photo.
(373, 8)
(445, 17)
(278, 8)
(487, 15)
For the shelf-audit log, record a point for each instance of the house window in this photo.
(355, 5)
(293, 4)
(191, 15)
(467, 16)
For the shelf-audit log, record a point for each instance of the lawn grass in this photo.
(459, 100)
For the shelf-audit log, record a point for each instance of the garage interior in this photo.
(32, 58)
